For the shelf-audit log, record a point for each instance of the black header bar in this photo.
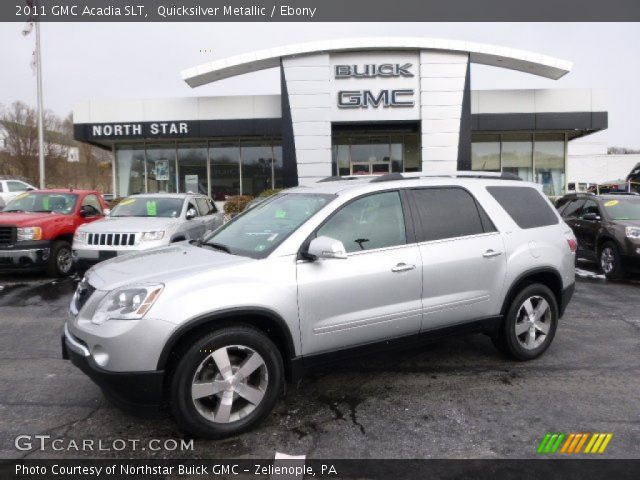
(320, 11)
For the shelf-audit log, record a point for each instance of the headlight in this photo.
(128, 303)
(80, 237)
(29, 233)
(152, 236)
(633, 232)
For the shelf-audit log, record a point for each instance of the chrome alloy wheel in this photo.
(607, 260)
(533, 322)
(229, 383)
(64, 260)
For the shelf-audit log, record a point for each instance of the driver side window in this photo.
(374, 221)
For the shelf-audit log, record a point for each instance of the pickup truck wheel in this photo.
(610, 261)
(530, 324)
(226, 382)
(60, 262)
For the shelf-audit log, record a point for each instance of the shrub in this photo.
(269, 192)
(236, 204)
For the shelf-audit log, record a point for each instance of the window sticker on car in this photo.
(45, 203)
(281, 214)
(612, 203)
(152, 208)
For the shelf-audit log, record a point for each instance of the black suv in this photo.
(607, 228)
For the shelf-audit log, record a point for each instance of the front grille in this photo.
(8, 235)
(83, 293)
(112, 239)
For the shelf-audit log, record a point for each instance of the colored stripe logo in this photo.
(574, 443)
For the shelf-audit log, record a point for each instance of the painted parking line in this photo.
(290, 461)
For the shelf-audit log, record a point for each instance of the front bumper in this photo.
(131, 390)
(32, 255)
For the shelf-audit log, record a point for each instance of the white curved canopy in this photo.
(521, 60)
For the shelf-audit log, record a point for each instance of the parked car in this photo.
(141, 222)
(36, 228)
(11, 188)
(316, 273)
(607, 228)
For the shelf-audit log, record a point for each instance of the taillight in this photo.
(573, 245)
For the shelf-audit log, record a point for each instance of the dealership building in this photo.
(346, 107)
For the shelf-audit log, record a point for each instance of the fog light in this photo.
(638, 250)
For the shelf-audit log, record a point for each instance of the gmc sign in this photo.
(366, 98)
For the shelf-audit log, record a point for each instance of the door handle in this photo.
(491, 253)
(402, 267)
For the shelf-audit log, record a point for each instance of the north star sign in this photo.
(367, 98)
(138, 129)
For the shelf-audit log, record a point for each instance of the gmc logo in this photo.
(373, 70)
(366, 98)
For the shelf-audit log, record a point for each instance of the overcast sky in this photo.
(119, 60)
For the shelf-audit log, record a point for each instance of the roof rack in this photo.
(391, 177)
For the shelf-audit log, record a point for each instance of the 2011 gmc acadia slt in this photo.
(213, 328)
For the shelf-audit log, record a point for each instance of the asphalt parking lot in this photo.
(457, 398)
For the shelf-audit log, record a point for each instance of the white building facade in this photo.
(349, 107)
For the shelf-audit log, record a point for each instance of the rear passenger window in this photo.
(525, 205)
(448, 213)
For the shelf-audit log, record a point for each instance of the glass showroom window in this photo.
(161, 168)
(278, 167)
(517, 155)
(130, 170)
(193, 173)
(485, 153)
(224, 159)
(549, 157)
(412, 161)
(257, 167)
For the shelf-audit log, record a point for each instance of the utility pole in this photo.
(40, 109)
(37, 63)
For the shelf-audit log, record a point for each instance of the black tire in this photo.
(184, 409)
(610, 250)
(510, 344)
(60, 263)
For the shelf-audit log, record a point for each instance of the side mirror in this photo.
(191, 214)
(30, 189)
(86, 211)
(106, 212)
(326, 248)
(591, 217)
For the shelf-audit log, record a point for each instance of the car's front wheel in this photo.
(226, 382)
(60, 262)
(530, 323)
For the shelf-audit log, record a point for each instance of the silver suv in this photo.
(213, 329)
(142, 222)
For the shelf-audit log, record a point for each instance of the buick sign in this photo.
(373, 70)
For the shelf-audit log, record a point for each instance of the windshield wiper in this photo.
(217, 246)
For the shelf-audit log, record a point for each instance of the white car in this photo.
(141, 222)
(9, 189)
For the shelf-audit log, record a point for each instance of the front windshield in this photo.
(163, 207)
(258, 231)
(623, 208)
(63, 203)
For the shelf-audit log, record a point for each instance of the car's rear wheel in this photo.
(610, 261)
(60, 262)
(529, 325)
(226, 382)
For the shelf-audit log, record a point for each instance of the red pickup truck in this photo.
(37, 227)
